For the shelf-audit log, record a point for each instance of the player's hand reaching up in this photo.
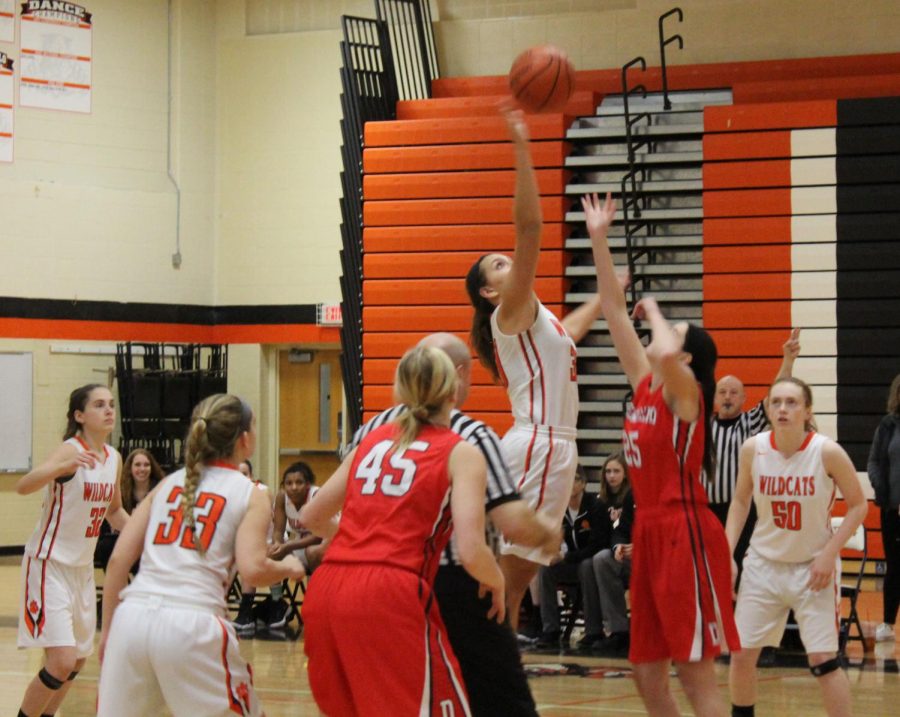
(498, 599)
(791, 347)
(515, 120)
(598, 216)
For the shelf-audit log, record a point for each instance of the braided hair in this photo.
(216, 425)
(426, 379)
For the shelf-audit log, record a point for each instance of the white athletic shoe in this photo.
(884, 633)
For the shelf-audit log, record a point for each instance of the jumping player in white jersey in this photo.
(58, 608)
(533, 354)
(793, 562)
(168, 642)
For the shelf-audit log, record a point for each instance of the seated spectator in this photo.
(140, 474)
(612, 566)
(584, 535)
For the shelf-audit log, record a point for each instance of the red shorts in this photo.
(680, 586)
(376, 646)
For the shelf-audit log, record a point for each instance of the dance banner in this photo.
(6, 108)
(55, 56)
(7, 20)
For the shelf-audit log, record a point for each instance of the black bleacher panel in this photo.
(867, 170)
(869, 227)
(881, 341)
(859, 428)
(868, 313)
(858, 452)
(868, 284)
(865, 256)
(867, 140)
(871, 111)
(866, 371)
(868, 198)
(864, 399)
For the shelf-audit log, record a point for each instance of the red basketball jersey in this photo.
(397, 506)
(664, 454)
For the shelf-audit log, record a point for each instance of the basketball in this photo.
(541, 79)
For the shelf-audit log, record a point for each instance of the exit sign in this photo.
(329, 315)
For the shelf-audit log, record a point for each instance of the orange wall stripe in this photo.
(781, 115)
(435, 292)
(746, 145)
(751, 202)
(444, 211)
(746, 314)
(746, 230)
(186, 333)
(483, 238)
(394, 160)
(735, 175)
(451, 130)
(444, 185)
(754, 371)
(735, 343)
(426, 318)
(724, 259)
(445, 265)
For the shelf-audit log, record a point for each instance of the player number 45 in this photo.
(371, 468)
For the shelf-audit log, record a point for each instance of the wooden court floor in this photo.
(564, 685)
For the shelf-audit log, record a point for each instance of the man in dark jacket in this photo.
(585, 534)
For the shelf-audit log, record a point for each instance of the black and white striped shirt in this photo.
(728, 437)
(500, 487)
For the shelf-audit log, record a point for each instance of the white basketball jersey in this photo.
(74, 509)
(171, 566)
(294, 527)
(793, 499)
(538, 368)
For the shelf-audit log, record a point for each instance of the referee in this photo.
(731, 426)
(487, 652)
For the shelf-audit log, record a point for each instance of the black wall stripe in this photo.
(868, 267)
(61, 309)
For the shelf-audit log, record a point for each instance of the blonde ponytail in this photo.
(216, 425)
(426, 379)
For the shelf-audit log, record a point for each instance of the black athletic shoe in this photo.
(245, 622)
(279, 614)
(588, 641)
(616, 645)
(548, 640)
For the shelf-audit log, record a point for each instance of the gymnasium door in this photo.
(309, 406)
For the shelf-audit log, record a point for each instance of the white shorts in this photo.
(543, 469)
(57, 606)
(186, 658)
(770, 589)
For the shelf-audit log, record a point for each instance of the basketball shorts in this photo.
(183, 657)
(680, 586)
(770, 589)
(542, 461)
(374, 657)
(58, 606)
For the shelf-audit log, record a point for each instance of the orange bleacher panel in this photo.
(752, 257)
(751, 371)
(778, 115)
(746, 230)
(744, 203)
(825, 88)
(453, 157)
(737, 175)
(481, 398)
(426, 318)
(445, 265)
(380, 371)
(580, 103)
(483, 238)
(446, 185)
(746, 314)
(737, 287)
(449, 130)
(437, 292)
(496, 210)
(746, 145)
(737, 343)
(500, 421)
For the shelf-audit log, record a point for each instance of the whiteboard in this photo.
(15, 412)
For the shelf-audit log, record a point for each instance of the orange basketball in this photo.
(541, 79)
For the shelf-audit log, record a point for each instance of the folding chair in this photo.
(291, 593)
(855, 548)
(570, 612)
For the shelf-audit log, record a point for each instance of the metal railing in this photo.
(412, 39)
(663, 43)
